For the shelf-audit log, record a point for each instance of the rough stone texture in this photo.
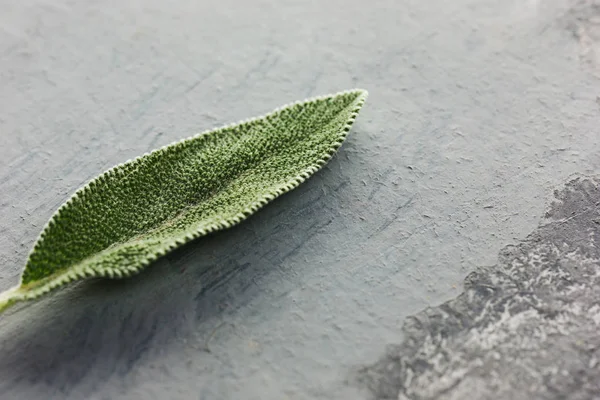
(477, 110)
(526, 328)
(583, 20)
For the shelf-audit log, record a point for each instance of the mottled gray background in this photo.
(524, 328)
(478, 109)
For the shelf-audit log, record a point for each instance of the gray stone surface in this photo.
(478, 109)
(525, 328)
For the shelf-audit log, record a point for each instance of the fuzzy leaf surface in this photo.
(134, 213)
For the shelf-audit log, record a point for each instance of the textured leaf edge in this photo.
(36, 289)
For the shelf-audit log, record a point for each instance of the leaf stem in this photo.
(7, 298)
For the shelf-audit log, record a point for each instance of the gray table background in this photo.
(478, 109)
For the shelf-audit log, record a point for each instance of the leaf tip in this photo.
(361, 94)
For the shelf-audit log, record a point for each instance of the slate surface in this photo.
(478, 110)
(525, 328)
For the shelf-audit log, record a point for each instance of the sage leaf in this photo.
(120, 222)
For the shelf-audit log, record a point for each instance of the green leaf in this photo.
(140, 210)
